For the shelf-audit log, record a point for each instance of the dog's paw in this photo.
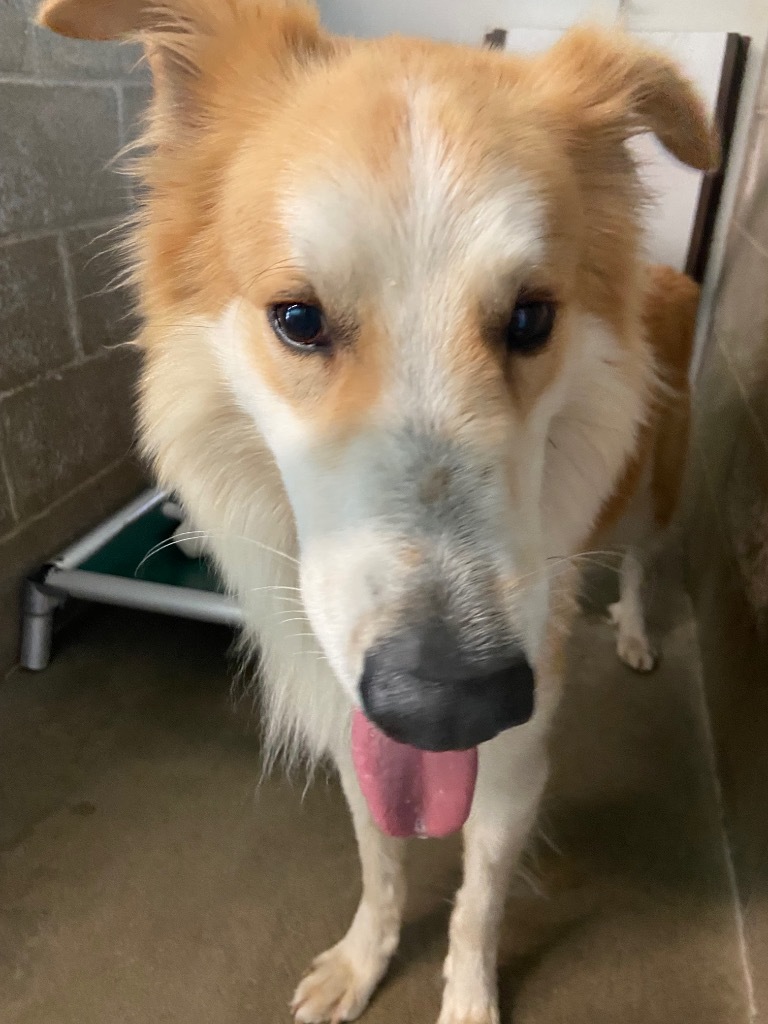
(636, 652)
(633, 648)
(467, 999)
(453, 1014)
(335, 990)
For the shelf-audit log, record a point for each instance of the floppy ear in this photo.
(116, 19)
(620, 88)
(95, 19)
(180, 34)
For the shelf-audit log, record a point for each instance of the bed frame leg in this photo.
(37, 626)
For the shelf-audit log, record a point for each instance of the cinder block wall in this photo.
(66, 390)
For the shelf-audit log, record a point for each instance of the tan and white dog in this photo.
(396, 366)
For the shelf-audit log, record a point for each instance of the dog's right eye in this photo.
(301, 325)
(530, 326)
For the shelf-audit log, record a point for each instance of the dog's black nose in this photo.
(420, 687)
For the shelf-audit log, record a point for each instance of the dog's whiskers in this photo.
(207, 535)
(295, 618)
(558, 565)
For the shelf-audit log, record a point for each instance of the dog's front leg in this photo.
(510, 782)
(342, 980)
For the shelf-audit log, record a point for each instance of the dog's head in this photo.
(420, 264)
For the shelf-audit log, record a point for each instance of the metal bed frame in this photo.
(79, 572)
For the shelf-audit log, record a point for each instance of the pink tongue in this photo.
(412, 792)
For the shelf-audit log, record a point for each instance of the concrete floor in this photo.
(146, 878)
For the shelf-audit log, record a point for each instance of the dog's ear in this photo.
(118, 19)
(178, 34)
(96, 19)
(611, 85)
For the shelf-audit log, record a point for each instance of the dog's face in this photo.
(400, 345)
(420, 265)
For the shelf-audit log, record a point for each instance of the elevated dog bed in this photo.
(130, 560)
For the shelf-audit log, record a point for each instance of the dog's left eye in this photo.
(530, 325)
(300, 325)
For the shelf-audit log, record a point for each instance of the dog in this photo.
(396, 368)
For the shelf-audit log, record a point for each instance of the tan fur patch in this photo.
(670, 305)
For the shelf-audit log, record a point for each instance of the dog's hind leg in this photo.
(628, 613)
(670, 453)
(512, 774)
(342, 980)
